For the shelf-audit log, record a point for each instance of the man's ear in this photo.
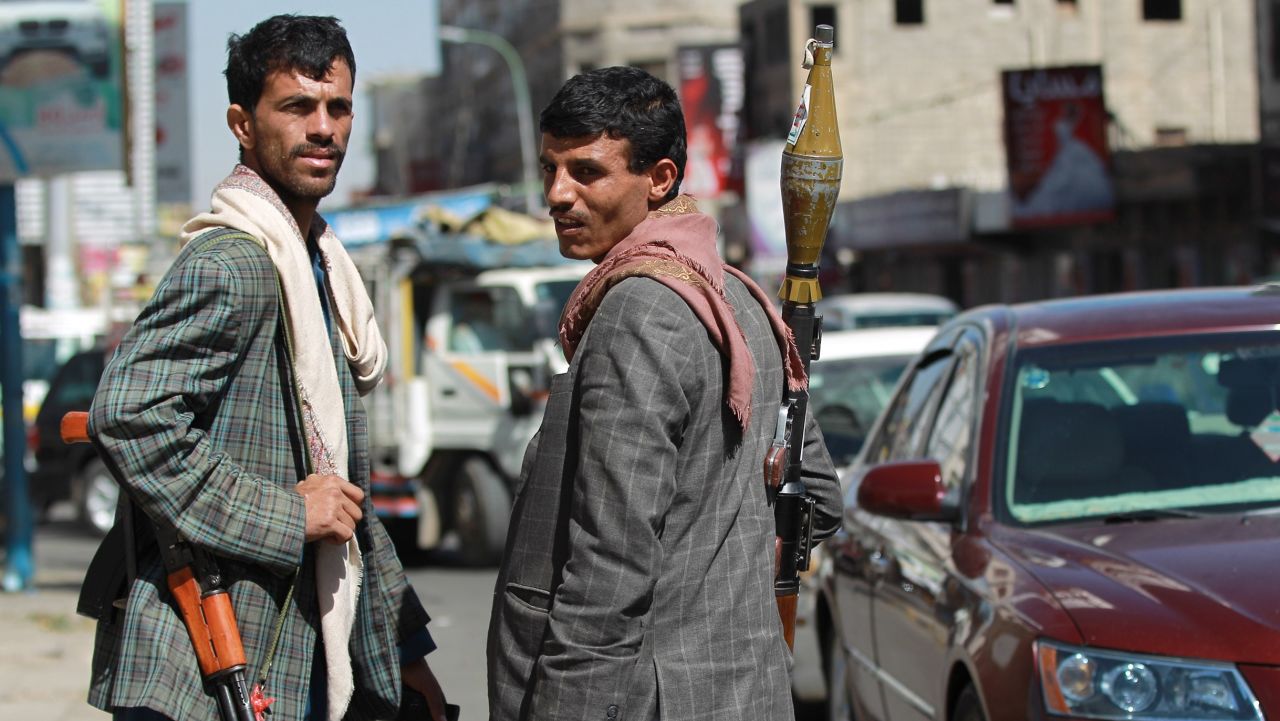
(241, 123)
(662, 177)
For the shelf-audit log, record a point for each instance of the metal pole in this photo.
(19, 565)
(140, 36)
(524, 112)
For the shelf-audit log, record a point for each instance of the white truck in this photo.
(471, 327)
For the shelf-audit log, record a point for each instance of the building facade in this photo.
(922, 92)
(461, 128)
(922, 112)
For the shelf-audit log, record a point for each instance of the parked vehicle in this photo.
(1069, 509)
(74, 472)
(849, 384)
(49, 338)
(880, 310)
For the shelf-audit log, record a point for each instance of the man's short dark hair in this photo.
(624, 103)
(305, 44)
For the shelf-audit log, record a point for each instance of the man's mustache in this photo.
(567, 214)
(332, 151)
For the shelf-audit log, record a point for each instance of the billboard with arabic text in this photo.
(60, 100)
(1055, 130)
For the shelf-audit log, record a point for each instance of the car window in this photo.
(846, 395)
(76, 381)
(903, 428)
(952, 435)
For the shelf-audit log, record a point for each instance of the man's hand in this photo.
(417, 676)
(333, 507)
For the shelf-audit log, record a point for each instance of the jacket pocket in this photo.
(535, 599)
(516, 638)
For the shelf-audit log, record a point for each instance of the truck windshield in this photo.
(489, 320)
(552, 297)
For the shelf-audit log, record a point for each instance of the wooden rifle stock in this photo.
(812, 163)
(74, 427)
(206, 612)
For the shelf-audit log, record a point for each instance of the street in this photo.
(458, 600)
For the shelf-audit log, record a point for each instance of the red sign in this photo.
(1055, 129)
(711, 95)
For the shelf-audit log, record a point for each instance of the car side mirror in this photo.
(912, 490)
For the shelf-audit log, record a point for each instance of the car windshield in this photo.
(846, 395)
(1123, 427)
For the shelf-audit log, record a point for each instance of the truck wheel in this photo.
(481, 510)
(96, 494)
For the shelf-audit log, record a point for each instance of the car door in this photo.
(913, 605)
(856, 551)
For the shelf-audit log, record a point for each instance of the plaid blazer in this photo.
(194, 416)
(637, 582)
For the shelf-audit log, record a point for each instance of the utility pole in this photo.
(524, 112)
(19, 564)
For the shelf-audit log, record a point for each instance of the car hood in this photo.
(1201, 588)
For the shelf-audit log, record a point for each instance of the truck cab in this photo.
(471, 329)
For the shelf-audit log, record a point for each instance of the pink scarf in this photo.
(675, 245)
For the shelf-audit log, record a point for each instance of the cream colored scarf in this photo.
(245, 202)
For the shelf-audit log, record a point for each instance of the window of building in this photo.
(1161, 9)
(1170, 137)
(656, 68)
(1275, 39)
(824, 15)
(775, 36)
(908, 12)
(1068, 7)
(1002, 2)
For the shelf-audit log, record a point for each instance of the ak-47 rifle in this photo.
(205, 605)
(811, 167)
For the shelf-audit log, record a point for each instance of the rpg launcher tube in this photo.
(812, 164)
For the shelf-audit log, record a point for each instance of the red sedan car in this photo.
(1069, 509)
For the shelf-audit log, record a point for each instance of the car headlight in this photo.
(1089, 683)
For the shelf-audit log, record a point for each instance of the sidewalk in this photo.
(44, 670)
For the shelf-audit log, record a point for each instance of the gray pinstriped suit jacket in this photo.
(637, 582)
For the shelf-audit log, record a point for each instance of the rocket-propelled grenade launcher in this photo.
(812, 163)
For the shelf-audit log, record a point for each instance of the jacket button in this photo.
(612, 711)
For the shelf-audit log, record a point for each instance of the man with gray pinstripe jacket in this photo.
(638, 576)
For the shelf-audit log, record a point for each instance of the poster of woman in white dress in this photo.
(1055, 132)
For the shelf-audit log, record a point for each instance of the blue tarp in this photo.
(365, 225)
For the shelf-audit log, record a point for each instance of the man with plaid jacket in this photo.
(231, 413)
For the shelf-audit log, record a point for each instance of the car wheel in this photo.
(839, 703)
(96, 497)
(481, 510)
(968, 707)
